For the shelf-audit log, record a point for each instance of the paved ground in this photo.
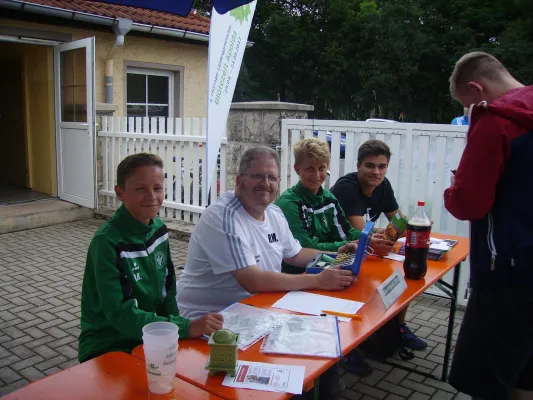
(41, 272)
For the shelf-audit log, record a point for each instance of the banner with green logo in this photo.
(227, 40)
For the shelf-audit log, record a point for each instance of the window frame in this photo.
(153, 72)
(173, 72)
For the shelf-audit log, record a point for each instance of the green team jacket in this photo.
(317, 221)
(129, 281)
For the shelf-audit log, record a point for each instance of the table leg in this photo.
(316, 389)
(451, 321)
(451, 291)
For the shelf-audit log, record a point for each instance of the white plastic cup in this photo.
(160, 341)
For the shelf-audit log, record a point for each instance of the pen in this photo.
(346, 315)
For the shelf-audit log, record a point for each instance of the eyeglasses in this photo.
(259, 178)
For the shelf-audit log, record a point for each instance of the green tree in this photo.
(355, 59)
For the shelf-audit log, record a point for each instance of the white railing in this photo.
(419, 169)
(180, 142)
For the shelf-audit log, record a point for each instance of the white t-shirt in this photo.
(225, 239)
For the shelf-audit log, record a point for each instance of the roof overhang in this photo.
(24, 6)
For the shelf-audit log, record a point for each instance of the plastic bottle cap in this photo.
(421, 203)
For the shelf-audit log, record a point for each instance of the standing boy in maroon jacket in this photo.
(493, 189)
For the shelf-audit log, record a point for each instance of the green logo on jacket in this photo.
(160, 259)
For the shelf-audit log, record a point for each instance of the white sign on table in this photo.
(392, 288)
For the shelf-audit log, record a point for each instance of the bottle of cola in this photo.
(417, 242)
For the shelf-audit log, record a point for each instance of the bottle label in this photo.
(417, 240)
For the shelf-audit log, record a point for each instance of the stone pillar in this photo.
(255, 123)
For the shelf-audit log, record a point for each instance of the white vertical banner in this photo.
(227, 40)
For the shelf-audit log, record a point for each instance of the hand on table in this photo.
(334, 279)
(350, 247)
(381, 246)
(206, 325)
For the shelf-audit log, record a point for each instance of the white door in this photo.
(75, 122)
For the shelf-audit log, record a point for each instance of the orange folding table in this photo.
(193, 353)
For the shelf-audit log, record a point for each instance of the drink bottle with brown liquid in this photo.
(417, 242)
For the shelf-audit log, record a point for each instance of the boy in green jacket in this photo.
(129, 278)
(314, 214)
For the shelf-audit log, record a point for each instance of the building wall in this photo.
(39, 84)
(192, 57)
(37, 64)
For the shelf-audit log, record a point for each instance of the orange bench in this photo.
(117, 376)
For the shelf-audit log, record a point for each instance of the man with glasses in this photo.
(239, 243)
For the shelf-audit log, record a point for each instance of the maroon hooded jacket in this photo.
(494, 190)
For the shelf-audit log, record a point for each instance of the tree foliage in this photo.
(356, 59)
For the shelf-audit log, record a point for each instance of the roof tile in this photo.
(193, 22)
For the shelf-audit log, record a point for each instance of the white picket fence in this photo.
(180, 142)
(419, 169)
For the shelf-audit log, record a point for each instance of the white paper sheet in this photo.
(267, 377)
(395, 257)
(442, 246)
(251, 323)
(309, 303)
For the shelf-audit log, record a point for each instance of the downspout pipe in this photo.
(121, 27)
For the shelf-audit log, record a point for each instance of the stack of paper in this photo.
(305, 335)
(309, 303)
(437, 247)
(437, 244)
(250, 323)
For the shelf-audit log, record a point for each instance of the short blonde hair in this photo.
(314, 148)
(473, 66)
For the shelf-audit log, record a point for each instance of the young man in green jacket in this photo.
(314, 214)
(129, 278)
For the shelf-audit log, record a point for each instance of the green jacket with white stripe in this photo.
(317, 221)
(129, 281)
